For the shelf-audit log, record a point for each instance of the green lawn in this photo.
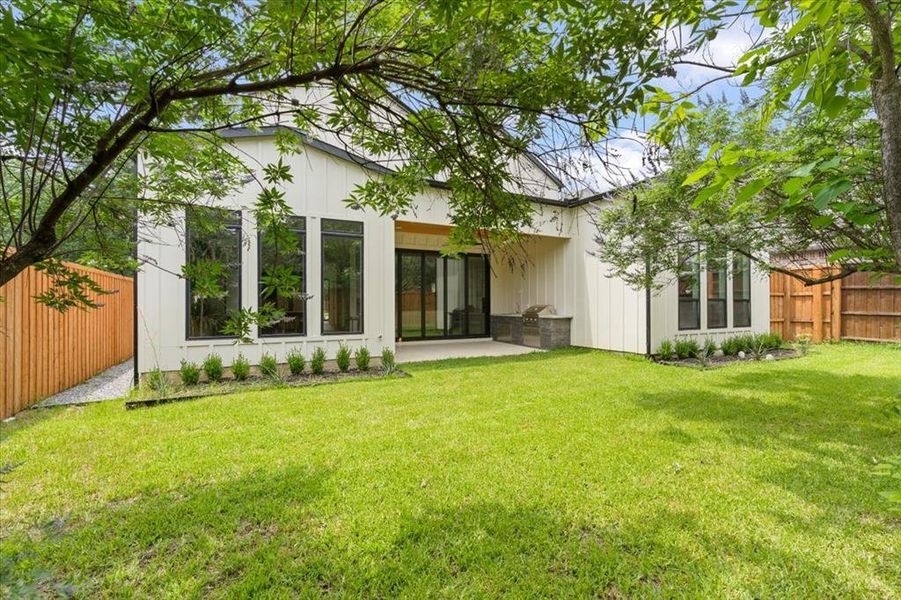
(566, 473)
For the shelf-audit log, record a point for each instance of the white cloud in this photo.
(613, 164)
(724, 50)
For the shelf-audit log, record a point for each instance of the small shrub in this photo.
(759, 347)
(745, 342)
(730, 346)
(388, 363)
(773, 340)
(212, 366)
(241, 368)
(739, 343)
(296, 361)
(705, 353)
(189, 372)
(342, 358)
(317, 362)
(802, 344)
(666, 352)
(268, 365)
(709, 346)
(687, 348)
(155, 380)
(361, 358)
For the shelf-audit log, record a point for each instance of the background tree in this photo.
(813, 161)
(758, 210)
(91, 84)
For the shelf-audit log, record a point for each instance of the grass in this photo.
(563, 473)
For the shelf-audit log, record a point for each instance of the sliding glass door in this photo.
(441, 297)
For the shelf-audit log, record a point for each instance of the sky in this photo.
(627, 162)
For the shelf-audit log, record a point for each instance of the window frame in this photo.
(323, 233)
(303, 289)
(240, 229)
(749, 301)
(723, 259)
(694, 259)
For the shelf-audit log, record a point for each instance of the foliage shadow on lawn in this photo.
(215, 531)
(252, 537)
(803, 418)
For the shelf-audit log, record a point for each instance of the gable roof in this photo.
(376, 167)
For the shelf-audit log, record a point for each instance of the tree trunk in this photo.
(887, 101)
(885, 86)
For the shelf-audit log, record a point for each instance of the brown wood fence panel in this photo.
(856, 307)
(871, 308)
(44, 351)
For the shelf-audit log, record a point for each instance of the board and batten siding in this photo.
(565, 272)
(665, 311)
(561, 269)
(320, 185)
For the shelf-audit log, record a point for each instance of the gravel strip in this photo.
(113, 383)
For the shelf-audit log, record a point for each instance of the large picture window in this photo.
(689, 285)
(282, 276)
(741, 291)
(212, 270)
(716, 290)
(342, 276)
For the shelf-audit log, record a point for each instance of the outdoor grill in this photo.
(538, 326)
(531, 328)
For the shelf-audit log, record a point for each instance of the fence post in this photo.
(787, 308)
(817, 308)
(836, 309)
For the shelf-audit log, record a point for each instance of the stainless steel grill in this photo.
(531, 332)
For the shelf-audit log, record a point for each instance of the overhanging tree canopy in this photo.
(88, 84)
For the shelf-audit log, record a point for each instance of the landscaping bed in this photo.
(691, 351)
(721, 360)
(148, 398)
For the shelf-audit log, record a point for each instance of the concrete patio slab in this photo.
(442, 349)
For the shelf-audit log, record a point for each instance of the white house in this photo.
(373, 281)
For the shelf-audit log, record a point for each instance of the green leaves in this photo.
(751, 189)
(830, 192)
(793, 185)
(700, 173)
(69, 287)
(207, 277)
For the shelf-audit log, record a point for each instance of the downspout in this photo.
(134, 334)
(647, 307)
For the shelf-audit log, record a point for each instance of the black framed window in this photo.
(342, 276)
(282, 276)
(741, 291)
(716, 291)
(477, 295)
(689, 285)
(213, 269)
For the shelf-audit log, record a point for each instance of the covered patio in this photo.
(408, 352)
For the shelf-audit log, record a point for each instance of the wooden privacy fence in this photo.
(857, 307)
(44, 351)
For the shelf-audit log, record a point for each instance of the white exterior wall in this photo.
(560, 270)
(321, 183)
(665, 311)
(606, 312)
